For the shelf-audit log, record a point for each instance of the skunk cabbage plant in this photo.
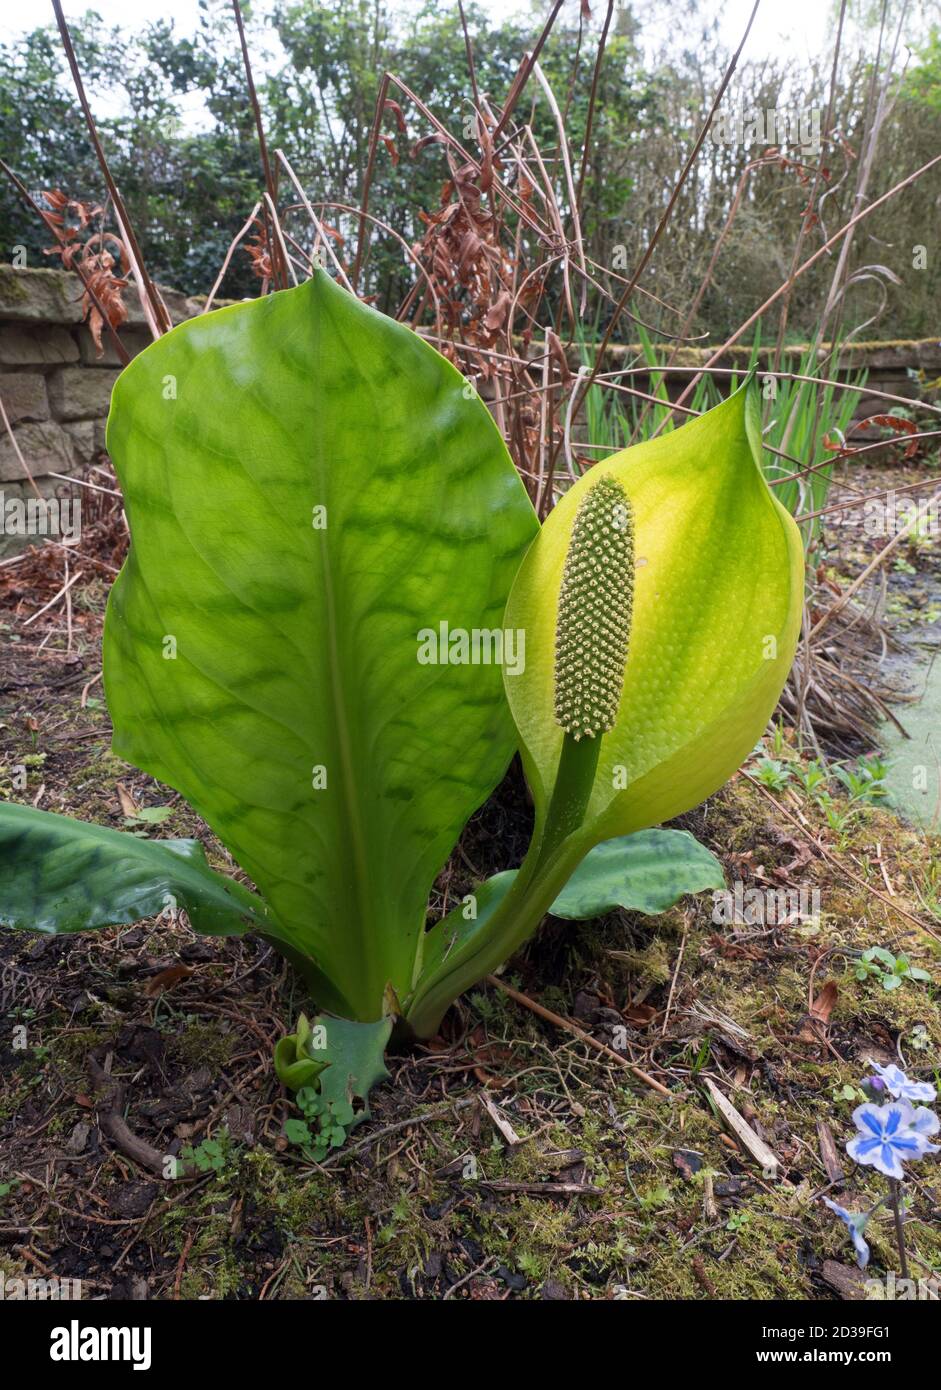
(338, 620)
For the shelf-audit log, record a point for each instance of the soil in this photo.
(602, 1187)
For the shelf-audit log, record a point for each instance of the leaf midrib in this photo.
(351, 808)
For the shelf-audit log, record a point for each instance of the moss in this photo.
(651, 964)
(16, 1097)
(13, 284)
(763, 1263)
(202, 1044)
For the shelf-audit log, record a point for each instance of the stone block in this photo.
(895, 356)
(39, 296)
(179, 306)
(895, 385)
(134, 341)
(22, 523)
(23, 346)
(81, 393)
(929, 356)
(45, 446)
(84, 435)
(24, 396)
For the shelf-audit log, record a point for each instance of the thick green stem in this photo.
(578, 763)
(554, 854)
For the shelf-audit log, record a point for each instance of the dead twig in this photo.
(542, 1012)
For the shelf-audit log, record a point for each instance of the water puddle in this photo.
(907, 596)
(914, 776)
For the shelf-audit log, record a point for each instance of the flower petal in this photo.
(868, 1118)
(899, 1086)
(719, 575)
(925, 1121)
(860, 1148)
(855, 1223)
(887, 1161)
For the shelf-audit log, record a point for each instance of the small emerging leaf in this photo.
(346, 1068)
(297, 1131)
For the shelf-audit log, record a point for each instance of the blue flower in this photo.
(899, 1086)
(887, 1138)
(925, 1121)
(855, 1223)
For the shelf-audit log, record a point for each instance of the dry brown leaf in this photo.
(167, 978)
(822, 1007)
(641, 1015)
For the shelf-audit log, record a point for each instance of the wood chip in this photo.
(500, 1120)
(849, 1283)
(709, 1205)
(769, 1163)
(166, 978)
(828, 1152)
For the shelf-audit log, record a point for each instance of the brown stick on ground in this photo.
(187, 1246)
(111, 1122)
(570, 1027)
(544, 1189)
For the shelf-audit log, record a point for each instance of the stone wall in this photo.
(54, 388)
(900, 369)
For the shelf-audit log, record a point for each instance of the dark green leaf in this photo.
(353, 1053)
(647, 872)
(62, 875)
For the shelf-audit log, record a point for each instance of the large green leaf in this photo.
(647, 872)
(61, 875)
(247, 646)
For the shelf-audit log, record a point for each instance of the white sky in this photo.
(798, 28)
